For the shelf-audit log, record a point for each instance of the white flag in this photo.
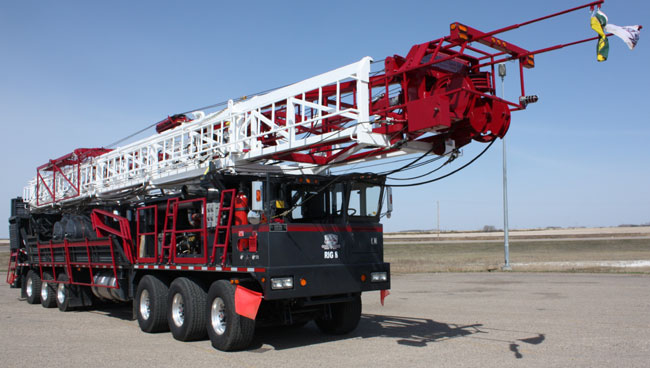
(629, 34)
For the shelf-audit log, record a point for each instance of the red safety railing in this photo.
(72, 163)
(123, 230)
(143, 234)
(55, 256)
(199, 229)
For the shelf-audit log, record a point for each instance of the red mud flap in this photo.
(247, 302)
(382, 295)
(11, 268)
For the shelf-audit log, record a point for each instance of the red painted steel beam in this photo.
(462, 33)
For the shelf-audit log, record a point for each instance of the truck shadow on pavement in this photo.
(405, 331)
(414, 332)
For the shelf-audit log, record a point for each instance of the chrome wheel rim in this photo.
(218, 316)
(29, 289)
(145, 306)
(44, 291)
(178, 310)
(60, 293)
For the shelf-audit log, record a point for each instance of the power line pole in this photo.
(506, 245)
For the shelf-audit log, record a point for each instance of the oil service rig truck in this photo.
(229, 218)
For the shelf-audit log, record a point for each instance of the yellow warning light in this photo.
(303, 282)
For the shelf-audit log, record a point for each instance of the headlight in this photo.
(279, 283)
(378, 277)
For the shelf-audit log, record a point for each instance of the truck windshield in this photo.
(364, 200)
(335, 203)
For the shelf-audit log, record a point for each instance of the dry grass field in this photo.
(4, 255)
(584, 255)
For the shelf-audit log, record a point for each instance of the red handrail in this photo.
(98, 216)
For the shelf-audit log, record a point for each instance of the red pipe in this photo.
(515, 26)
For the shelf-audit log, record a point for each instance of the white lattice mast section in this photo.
(232, 139)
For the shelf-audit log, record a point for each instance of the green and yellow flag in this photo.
(629, 34)
(598, 23)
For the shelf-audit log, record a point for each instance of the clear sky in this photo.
(87, 73)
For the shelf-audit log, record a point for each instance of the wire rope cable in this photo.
(446, 175)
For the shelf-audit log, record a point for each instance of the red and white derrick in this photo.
(313, 123)
(437, 98)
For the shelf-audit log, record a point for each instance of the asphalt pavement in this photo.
(429, 320)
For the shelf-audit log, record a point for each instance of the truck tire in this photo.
(48, 292)
(63, 293)
(186, 315)
(345, 317)
(33, 287)
(227, 330)
(151, 304)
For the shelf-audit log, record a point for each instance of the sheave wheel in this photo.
(48, 292)
(151, 304)
(227, 330)
(63, 294)
(186, 303)
(33, 287)
(345, 317)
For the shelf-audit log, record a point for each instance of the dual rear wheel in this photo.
(63, 294)
(179, 307)
(32, 287)
(151, 304)
(186, 303)
(190, 312)
(185, 308)
(48, 291)
(227, 329)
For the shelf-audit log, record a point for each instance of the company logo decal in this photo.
(331, 242)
